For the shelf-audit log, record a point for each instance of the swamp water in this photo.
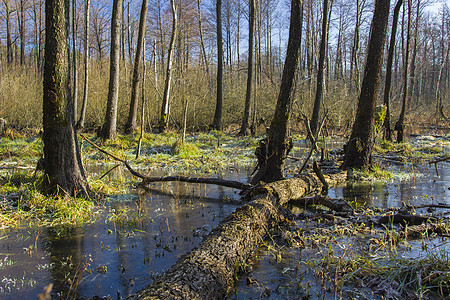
(134, 240)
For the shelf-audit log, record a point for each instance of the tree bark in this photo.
(414, 55)
(320, 74)
(109, 130)
(359, 148)
(388, 82)
(272, 152)
(400, 125)
(63, 167)
(130, 126)
(80, 123)
(9, 52)
(164, 119)
(251, 32)
(21, 17)
(74, 59)
(209, 271)
(217, 122)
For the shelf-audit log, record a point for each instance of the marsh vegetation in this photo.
(124, 237)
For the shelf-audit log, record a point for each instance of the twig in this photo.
(435, 162)
(109, 171)
(312, 138)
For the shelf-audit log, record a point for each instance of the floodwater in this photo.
(117, 258)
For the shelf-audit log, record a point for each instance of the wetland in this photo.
(116, 243)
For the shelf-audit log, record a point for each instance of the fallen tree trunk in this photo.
(209, 271)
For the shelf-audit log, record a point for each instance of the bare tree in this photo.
(354, 64)
(164, 118)
(21, 23)
(109, 129)
(99, 29)
(218, 112)
(74, 58)
(80, 123)
(9, 43)
(251, 29)
(400, 125)
(320, 74)
(130, 126)
(37, 20)
(63, 166)
(272, 152)
(202, 42)
(388, 81)
(359, 147)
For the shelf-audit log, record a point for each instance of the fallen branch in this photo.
(147, 179)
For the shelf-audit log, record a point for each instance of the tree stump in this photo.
(3, 126)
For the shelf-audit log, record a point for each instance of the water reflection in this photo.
(146, 234)
(121, 256)
(423, 188)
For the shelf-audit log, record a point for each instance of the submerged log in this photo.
(210, 270)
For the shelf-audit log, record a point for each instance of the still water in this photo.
(117, 257)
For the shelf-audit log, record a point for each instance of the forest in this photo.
(173, 149)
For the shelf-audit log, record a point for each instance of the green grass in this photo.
(423, 277)
(375, 172)
(28, 207)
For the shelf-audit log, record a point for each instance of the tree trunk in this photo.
(21, 17)
(354, 65)
(320, 74)
(109, 130)
(37, 18)
(251, 31)
(400, 125)
(80, 123)
(414, 55)
(359, 148)
(164, 119)
(9, 52)
(74, 59)
(130, 126)
(388, 82)
(202, 43)
(209, 271)
(63, 166)
(272, 152)
(218, 112)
